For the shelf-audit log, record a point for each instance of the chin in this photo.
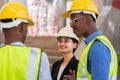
(62, 51)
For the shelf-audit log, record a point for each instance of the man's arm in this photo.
(99, 61)
(44, 68)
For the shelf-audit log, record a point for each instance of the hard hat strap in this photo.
(14, 23)
(84, 12)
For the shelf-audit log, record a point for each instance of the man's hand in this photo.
(72, 75)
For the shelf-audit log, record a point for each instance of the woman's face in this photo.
(66, 45)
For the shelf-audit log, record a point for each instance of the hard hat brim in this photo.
(31, 23)
(66, 14)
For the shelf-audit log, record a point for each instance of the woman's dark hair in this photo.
(74, 41)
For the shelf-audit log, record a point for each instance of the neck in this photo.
(13, 35)
(67, 58)
(91, 30)
(11, 39)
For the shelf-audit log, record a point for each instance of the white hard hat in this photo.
(67, 32)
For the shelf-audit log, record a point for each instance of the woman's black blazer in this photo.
(73, 63)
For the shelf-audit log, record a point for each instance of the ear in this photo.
(23, 27)
(75, 45)
(87, 19)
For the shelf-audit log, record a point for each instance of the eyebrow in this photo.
(67, 38)
(64, 37)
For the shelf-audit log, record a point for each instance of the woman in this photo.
(67, 43)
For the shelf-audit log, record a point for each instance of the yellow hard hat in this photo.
(84, 5)
(15, 10)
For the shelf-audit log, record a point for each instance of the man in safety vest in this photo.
(98, 60)
(18, 62)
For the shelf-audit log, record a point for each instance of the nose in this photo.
(71, 24)
(62, 43)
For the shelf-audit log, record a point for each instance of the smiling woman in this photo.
(67, 44)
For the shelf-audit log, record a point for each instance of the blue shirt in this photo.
(98, 58)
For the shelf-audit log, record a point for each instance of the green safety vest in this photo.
(83, 73)
(19, 63)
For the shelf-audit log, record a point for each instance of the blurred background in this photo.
(48, 21)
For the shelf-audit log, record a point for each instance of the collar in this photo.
(15, 44)
(92, 36)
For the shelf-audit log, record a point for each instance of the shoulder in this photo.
(44, 57)
(44, 54)
(56, 65)
(99, 51)
(57, 62)
(74, 60)
(35, 50)
(98, 46)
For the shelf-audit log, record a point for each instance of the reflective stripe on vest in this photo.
(83, 73)
(19, 63)
(34, 64)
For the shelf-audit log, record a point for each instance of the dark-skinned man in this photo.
(17, 61)
(98, 60)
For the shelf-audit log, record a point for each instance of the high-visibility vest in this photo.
(83, 73)
(19, 63)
